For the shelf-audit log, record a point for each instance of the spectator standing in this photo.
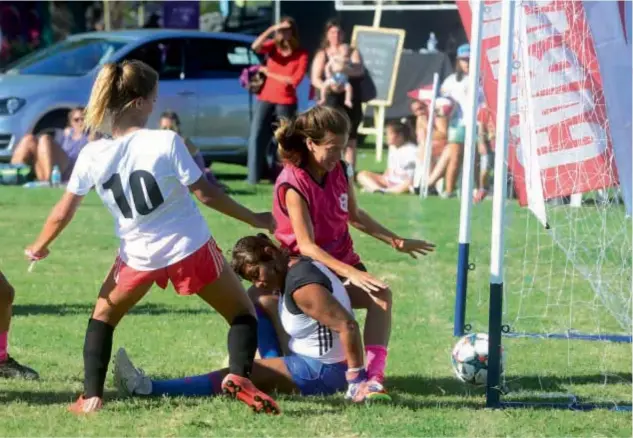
(285, 67)
(333, 38)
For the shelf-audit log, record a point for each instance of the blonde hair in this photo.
(318, 124)
(116, 88)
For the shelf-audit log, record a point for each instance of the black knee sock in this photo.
(97, 352)
(242, 345)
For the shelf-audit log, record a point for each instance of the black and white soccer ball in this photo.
(470, 359)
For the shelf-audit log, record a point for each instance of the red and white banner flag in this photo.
(560, 137)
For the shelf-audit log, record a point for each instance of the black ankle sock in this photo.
(242, 345)
(97, 352)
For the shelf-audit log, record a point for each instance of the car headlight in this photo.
(11, 105)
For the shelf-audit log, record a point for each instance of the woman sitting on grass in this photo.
(398, 177)
(326, 348)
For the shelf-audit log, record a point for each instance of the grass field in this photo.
(170, 336)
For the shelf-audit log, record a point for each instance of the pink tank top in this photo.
(328, 206)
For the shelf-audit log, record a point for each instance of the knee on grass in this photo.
(7, 295)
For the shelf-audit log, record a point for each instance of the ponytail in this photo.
(116, 88)
(101, 97)
(292, 143)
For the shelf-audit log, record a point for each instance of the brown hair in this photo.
(318, 124)
(293, 43)
(77, 109)
(332, 22)
(400, 127)
(116, 88)
(251, 251)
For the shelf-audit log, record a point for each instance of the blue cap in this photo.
(463, 51)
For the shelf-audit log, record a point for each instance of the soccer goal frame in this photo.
(496, 328)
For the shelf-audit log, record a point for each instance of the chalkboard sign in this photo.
(380, 49)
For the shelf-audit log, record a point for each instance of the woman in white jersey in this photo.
(314, 308)
(144, 178)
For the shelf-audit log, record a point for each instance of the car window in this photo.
(67, 58)
(215, 58)
(164, 56)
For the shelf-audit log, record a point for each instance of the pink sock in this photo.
(376, 362)
(3, 346)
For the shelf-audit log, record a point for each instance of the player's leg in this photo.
(268, 374)
(50, 154)
(113, 303)
(9, 367)
(228, 297)
(26, 150)
(371, 181)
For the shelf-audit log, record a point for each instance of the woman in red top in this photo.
(313, 204)
(285, 68)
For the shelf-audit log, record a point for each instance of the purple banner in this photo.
(181, 14)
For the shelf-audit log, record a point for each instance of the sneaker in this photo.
(367, 392)
(447, 195)
(376, 392)
(128, 379)
(86, 405)
(11, 369)
(243, 389)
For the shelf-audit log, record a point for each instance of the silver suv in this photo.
(198, 74)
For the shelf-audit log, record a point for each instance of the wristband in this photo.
(361, 377)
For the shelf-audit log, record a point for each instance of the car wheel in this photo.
(52, 122)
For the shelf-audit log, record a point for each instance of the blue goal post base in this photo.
(626, 339)
(567, 406)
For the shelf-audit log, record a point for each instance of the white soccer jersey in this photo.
(307, 336)
(142, 179)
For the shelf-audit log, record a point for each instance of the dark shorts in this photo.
(355, 113)
(316, 378)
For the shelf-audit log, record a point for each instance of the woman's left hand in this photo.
(412, 247)
(35, 253)
(265, 221)
(263, 69)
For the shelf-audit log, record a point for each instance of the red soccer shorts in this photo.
(188, 276)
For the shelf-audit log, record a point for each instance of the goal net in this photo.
(567, 262)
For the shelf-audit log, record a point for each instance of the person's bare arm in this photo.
(318, 303)
(362, 221)
(215, 198)
(263, 37)
(61, 215)
(318, 69)
(304, 232)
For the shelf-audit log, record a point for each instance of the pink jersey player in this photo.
(314, 202)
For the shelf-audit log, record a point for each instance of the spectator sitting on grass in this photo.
(53, 149)
(398, 177)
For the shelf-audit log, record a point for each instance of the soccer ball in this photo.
(470, 359)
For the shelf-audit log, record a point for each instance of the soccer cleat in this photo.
(128, 379)
(376, 392)
(243, 389)
(86, 405)
(11, 369)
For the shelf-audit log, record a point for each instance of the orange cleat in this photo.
(243, 389)
(86, 405)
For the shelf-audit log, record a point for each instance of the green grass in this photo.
(171, 336)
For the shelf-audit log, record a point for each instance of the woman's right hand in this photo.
(265, 221)
(365, 281)
(281, 26)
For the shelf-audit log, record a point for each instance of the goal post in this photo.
(558, 297)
